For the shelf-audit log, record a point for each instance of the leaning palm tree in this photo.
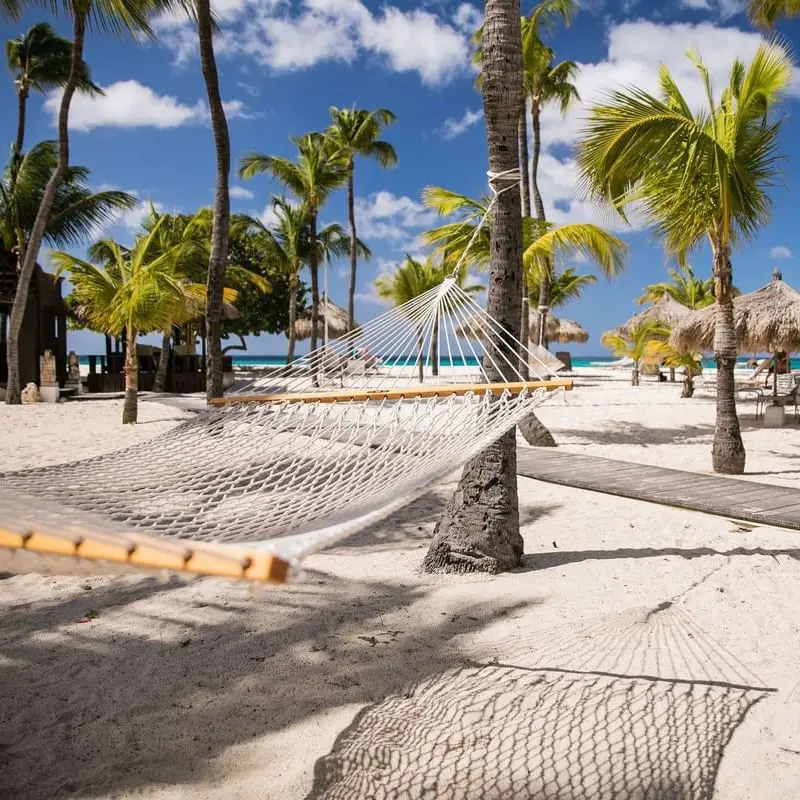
(138, 290)
(321, 167)
(39, 59)
(411, 280)
(479, 530)
(644, 343)
(356, 132)
(114, 15)
(697, 177)
(568, 285)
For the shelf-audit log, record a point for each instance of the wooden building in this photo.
(44, 326)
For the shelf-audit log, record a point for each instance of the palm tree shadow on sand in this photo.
(632, 707)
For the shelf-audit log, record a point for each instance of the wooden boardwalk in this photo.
(726, 497)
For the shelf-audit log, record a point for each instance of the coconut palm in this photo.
(321, 167)
(39, 59)
(114, 15)
(697, 177)
(356, 132)
(543, 243)
(76, 214)
(290, 240)
(683, 286)
(567, 286)
(479, 530)
(644, 343)
(138, 290)
(412, 279)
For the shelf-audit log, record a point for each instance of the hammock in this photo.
(307, 455)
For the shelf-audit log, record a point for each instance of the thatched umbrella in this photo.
(335, 316)
(767, 320)
(666, 310)
(557, 329)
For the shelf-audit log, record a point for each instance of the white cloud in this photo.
(383, 215)
(455, 127)
(635, 51)
(240, 193)
(289, 36)
(130, 104)
(780, 252)
(698, 5)
(133, 218)
(468, 18)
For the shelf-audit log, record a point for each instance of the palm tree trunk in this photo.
(525, 181)
(635, 374)
(351, 216)
(291, 333)
(22, 101)
(479, 530)
(538, 205)
(420, 362)
(160, 381)
(314, 269)
(728, 455)
(435, 348)
(220, 230)
(130, 408)
(43, 214)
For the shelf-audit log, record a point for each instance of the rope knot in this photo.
(498, 181)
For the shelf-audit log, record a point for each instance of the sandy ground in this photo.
(640, 652)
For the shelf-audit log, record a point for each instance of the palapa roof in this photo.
(666, 310)
(557, 329)
(337, 321)
(766, 320)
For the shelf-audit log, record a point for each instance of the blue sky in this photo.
(282, 64)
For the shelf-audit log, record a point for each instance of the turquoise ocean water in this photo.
(245, 360)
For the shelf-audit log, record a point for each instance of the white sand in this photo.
(211, 690)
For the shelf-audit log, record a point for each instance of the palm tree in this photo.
(568, 285)
(479, 530)
(356, 132)
(768, 12)
(291, 250)
(412, 279)
(40, 59)
(139, 290)
(644, 344)
(321, 167)
(114, 15)
(683, 286)
(702, 176)
(76, 213)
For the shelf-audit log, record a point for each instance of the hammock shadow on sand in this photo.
(597, 714)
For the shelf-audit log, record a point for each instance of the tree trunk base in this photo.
(479, 530)
(535, 433)
(728, 453)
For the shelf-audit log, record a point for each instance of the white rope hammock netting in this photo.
(332, 442)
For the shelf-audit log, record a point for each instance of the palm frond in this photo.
(605, 249)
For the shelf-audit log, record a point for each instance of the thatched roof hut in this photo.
(336, 317)
(767, 320)
(666, 310)
(557, 329)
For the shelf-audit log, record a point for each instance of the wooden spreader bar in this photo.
(396, 393)
(150, 552)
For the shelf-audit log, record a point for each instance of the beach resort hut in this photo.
(556, 329)
(766, 320)
(332, 322)
(666, 310)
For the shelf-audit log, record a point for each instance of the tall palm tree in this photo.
(567, 286)
(114, 15)
(139, 290)
(683, 286)
(321, 167)
(643, 344)
(356, 132)
(39, 59)
(479, 530)
(291, 249)
(76, 213)
(412, 279)
(697, 176)
(220, 233)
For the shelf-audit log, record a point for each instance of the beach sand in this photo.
(636, 635)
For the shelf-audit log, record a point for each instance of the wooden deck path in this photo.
(734, 499)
